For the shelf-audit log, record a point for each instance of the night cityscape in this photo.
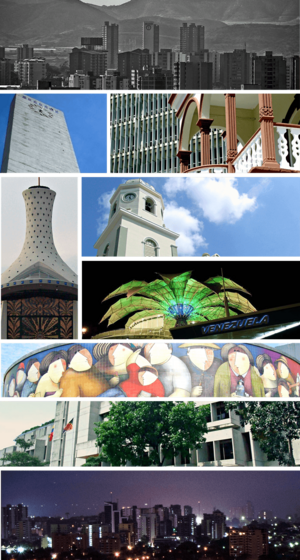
(134, 515)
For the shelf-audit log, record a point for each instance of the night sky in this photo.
(83, 493)
(271, 283)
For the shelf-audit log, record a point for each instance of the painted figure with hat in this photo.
(238, 376)
(202, 365)
(172, 372)
(284, 374)
(268, 374)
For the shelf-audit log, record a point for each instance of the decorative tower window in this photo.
(149, 205)
(150, 248)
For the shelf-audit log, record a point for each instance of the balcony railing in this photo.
(287, 144)
(250, 155)
(218, 168)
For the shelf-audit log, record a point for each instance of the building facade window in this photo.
(105, 252)
(149, 205)
(151, 248)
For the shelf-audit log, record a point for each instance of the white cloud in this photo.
(104, 207)
(181, 221)
(217, 198)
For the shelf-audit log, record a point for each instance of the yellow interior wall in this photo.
(248, 119)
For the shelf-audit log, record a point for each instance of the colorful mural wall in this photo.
(171, 370)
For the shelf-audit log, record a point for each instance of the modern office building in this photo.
(150, 36)
(110, 35)
(37, 139)
(30, 71)
(192, 38)
(144, 136)
(136, 224)
(39, 290)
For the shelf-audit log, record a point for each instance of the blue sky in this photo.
(85, 115)
(231, 216)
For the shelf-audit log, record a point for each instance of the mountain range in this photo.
(229, 24)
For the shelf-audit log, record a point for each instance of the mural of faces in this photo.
(129, 369)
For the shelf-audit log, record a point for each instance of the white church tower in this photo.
(136, 224)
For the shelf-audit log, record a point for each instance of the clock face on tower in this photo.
(148, 27)
(128, 197)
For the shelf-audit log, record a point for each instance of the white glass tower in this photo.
(37, 139)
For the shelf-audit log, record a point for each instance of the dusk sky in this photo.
(83, 493)
(230, 216)
(85, 116)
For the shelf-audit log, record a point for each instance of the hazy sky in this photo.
(84, 492)
(16, 416)
(229, 216)
(64, 223)
(105, 2)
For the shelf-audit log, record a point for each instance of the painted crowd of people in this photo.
(153, 370)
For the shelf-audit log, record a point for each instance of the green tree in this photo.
(274, 425)
(146, 433)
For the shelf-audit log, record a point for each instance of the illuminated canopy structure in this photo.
(179, 300)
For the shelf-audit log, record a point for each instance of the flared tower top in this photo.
(39, 259)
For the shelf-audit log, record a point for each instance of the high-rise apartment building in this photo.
(144, 136)
(10, 517)
(269, 71)
(6, 70)
(235, 69)
(24, 52)
(30, 71)
(150, 36)
(110, 35)
(192, 38)
(37, 139)
(91, 62)
(250, 541)
(214, 524)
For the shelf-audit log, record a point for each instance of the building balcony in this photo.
(218, 168)
(250, 157)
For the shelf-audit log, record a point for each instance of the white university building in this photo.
(227, 443)
(136, 224)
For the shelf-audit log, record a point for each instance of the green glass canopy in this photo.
(180, 299)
